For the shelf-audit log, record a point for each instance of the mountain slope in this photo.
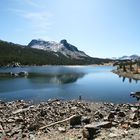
(62, 47)
(10, 52)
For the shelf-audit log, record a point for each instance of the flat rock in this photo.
(134, 109)
(96, 125)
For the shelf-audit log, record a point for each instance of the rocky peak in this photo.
(63, 41)
(38, 42)
(68, 46)
(62, 47)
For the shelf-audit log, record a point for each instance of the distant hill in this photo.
(131, 57)
(67, 54)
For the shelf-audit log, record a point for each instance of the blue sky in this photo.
(101, 28)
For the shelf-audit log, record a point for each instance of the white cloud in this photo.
(38, 22)
(32, 3)
(35, 18)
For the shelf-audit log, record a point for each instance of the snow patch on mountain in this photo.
(131, 57)
(62, 47)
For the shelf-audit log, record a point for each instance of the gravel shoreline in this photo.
(69, 120)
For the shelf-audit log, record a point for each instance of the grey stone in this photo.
(61, 129)
(74, 108)
(121, 114)
(135, 124)
(133, 116)
(33, 127)
(134, 109)
(111, 116)
(98, 115)
(75, 120)
(85, 119)
(96, 125)
(85, 133)
(10, 120)
(112, 135)
(32, 137)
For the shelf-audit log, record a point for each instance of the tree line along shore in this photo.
(128, 68)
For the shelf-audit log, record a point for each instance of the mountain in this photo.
(131, 57)
(62, 47)
(11, 54)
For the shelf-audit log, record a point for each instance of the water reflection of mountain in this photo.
(56, 78)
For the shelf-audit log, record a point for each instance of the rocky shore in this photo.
(127, 74)
(69, 120)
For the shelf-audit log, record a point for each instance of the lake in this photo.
(94, 83)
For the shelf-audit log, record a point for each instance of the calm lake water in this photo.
(95, 83)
